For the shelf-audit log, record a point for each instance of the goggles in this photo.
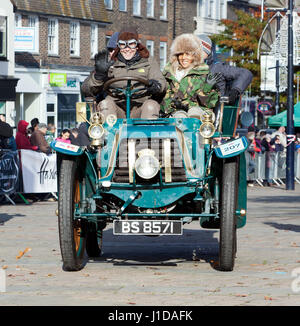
(132, 44)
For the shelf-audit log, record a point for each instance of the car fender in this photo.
(67, 149)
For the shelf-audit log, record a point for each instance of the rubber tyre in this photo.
(71, 233)
(229, 192)
(93, 244)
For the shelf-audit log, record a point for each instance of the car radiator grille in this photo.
(121, 172)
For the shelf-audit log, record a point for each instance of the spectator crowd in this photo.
(36, 136)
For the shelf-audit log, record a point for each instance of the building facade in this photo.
(209, 14)
(7, 62)
(55, 42)
(54, 49)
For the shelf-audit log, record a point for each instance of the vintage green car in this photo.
(150, 177)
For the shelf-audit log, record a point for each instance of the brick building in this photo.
(55, 41)
(7, 62)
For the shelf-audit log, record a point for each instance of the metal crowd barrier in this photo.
(270, 167)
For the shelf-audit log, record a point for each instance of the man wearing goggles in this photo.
(129, 58)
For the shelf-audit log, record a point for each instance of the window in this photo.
(136, 7)
(222, 9)
(94, 39)
(33, 21)
(150, 8)
(163, 9)
(53, 36)
(210, 8)
(123, 5)
(150, 47)
(3, 37)
(74, 39)
(162, 54)
(108, 4)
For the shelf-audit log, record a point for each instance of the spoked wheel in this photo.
(227, 249)
(71, 231)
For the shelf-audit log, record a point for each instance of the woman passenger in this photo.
(190, 87)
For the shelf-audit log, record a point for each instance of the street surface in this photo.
(156, 271)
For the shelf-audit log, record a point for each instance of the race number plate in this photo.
(144, 227)
(232, 148)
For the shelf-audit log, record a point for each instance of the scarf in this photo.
(130, 62)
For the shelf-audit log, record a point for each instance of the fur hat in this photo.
(187, 43)
(206, 43)
(128, 33)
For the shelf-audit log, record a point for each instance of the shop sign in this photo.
(57, 79)
(24, 39)
(264, 107)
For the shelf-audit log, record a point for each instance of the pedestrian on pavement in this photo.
(22, 137)
(7, 140)
(276, 144)
(64, 136)
(38, 139)
(234, 81)
(50, 134)
(131, 58)
(190, 88)
(34, 125)
(282, 135)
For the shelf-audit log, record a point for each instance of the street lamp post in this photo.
(290, 183)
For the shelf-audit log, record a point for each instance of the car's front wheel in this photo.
(229, 192)
(71, 231)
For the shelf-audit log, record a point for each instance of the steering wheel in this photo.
(130, 90)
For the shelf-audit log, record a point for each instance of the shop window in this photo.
(3, 38)
(2, 108)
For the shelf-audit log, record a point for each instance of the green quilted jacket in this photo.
(192, 90)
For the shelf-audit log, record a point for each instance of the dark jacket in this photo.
(38, 139)
(22, 138)
(6, 133)
(83, 136)
(146, 68)
(233, 77)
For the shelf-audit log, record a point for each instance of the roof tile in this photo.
(81, 9)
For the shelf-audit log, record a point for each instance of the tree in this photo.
(242, 35)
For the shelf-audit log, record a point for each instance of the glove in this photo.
(102, 64)
(212, 80)
(154, 87)
(179, 106)
(233, 96)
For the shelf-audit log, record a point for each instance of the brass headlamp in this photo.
(207, 128)
(96, 129)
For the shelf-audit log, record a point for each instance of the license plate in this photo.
(144, 227)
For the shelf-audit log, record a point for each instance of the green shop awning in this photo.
(280, 118)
